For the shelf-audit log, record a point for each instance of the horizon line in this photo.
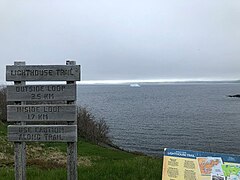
(132, 81)
(152, 81)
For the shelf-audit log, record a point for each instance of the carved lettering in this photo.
(59, 133)
(25, 130)
(36, 96)
(42, 72)
(51, 109)
(64, 72)
(28, 72)
(56, 88)
(48, 96)
(32, 137)
(53, 137)
(41, 112)
(28, 109)
(40, 88)
(29, 88)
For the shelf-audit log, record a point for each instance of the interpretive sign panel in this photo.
(42, 92)
(182, 164)
(43, 73)
(42, 133)
(56, 112)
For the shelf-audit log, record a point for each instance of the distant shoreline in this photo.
(140, 82)
(156, 82)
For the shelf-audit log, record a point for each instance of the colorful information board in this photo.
(193, 165)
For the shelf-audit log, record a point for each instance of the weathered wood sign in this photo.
(56, 112)
(41, 92)
(43, 73)
(42, 133)
(35, 103)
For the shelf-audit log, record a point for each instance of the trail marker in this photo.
(49, 110)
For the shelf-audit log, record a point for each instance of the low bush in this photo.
(3, 104)
(90, 128)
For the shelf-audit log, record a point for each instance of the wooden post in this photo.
(20, 147)
(71, 146)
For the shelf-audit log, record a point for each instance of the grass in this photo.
(48, 161)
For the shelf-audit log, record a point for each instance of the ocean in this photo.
(147, 119)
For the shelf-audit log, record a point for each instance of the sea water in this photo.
(183, 116)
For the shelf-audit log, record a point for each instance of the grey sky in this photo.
(125, 39)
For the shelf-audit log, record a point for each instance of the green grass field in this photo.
(48, 161)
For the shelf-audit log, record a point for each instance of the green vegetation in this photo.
(48, 161)
(92, 129)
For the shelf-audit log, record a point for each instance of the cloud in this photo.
(136, 39)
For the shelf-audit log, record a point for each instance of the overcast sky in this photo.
(125, 39)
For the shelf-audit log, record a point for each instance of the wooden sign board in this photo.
(42, 92)
(43, 73)
(43, 113)
(42, 133)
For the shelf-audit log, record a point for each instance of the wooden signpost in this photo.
(70, 72)
(41, 92)
(49, 110)
(43, 133)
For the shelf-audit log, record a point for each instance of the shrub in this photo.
(92, 129)
(3, 104)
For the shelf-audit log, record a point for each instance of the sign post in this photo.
(56, 103)
(20, 147)
(71, 146)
